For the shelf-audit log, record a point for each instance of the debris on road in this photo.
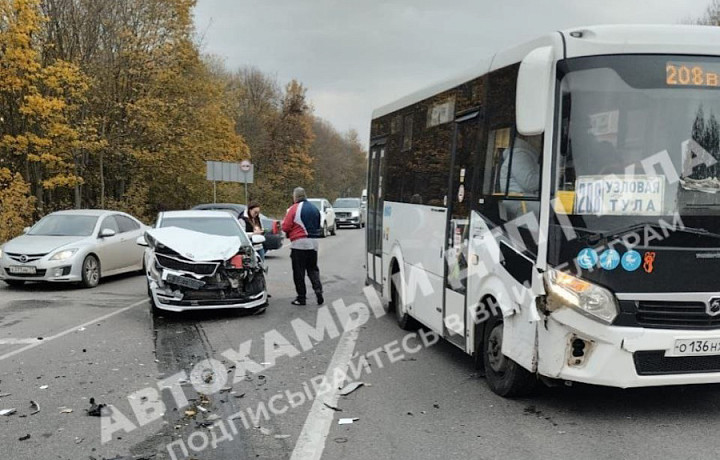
(66, 411)
(266, 431)
(347, 421)
(350, 387)
(7, 412)
(242, 395)
(341, 440)
(225, 389)
(79, 440)
(2, 395)
(24, 438)
(336, 409)
(45, 387)
(282, 436)
(436, 406)
(35, 407)
(190, 413)
(95, 409)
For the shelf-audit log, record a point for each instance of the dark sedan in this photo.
(273, 232)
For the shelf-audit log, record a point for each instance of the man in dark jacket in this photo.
(302, 226)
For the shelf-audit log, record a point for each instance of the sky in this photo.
(356, 55)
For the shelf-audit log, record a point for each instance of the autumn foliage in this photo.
(111, 104)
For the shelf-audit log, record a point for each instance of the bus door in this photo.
(466, 141)
(374, 227)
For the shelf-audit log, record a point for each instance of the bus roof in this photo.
(583, 41)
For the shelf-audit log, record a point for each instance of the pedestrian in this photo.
(302, 226)
(253, 225)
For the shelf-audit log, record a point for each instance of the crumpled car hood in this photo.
(196, 246)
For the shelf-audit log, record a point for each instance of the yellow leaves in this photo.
(16, 204)
(39, 106)
(62, 180)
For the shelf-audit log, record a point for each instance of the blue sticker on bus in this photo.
(587, 258)
(631, 260)
(387, 212)
(609, 259)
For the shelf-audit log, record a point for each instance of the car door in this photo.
(330, 213)
(130, 230)
(109, 249)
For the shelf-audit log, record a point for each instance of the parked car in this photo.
(202, 260)
(349, 212)
(78, 246)
(327, 216)
(274, 235)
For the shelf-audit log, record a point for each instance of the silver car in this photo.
(349, 212)
(78, 246)
(203, 260)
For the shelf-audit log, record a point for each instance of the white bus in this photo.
(554, 212)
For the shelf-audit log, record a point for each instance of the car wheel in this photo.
(14, 283)
(334, 230)
(90, 271)
(325, 230)
(505, 377)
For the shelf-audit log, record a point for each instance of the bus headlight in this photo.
(587, 298)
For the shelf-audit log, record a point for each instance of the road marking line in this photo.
(18, 341)
(68, 331)
(311, 442)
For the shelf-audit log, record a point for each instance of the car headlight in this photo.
(355, 213)
(587, 298)
(65, 254)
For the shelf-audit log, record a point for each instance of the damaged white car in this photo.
(203, 260)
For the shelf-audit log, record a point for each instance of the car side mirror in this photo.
(141, 241)
(257, 239)
(107, 233)
(26, 229)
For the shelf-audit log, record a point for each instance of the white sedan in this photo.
(78, 246)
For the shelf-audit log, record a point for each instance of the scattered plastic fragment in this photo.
(225, 389)
(336, 409)
(66, 411)
(45, 387)
(2, 395)
(24, 438)
(190, 413)
(347, 421)
(79, 440)
(242, 395)
(350, 387)
(95, 409)
(7, 412)
(35, 407)
(266, 431)
(282, 436)
(202, 409)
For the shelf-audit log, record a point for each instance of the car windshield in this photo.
(639, 137)
(64, 225)
(347, 203)
(221, 226)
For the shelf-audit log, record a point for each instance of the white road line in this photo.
(19, 341)
(68, 331)
(311, 442)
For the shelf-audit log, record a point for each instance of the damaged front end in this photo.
(182, 280)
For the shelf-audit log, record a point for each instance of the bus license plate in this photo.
(22, 270)
(695, 347)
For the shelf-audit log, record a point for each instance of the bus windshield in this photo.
(639, 137)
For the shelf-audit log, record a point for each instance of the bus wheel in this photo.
(403, 318)
(505, 377)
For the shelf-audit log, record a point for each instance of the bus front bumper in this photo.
(576, 348)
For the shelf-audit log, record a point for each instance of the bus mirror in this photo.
(533, 91)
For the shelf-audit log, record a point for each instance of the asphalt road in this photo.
(61, 346)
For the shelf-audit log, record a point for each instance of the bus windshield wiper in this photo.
(596, 237)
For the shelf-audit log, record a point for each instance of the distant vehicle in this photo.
(327, 216)
(78, 246)
(202, 260)
(273, 229)
(363, 197)
(349, 212)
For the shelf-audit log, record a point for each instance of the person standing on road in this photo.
(302, 225)
(253, 225)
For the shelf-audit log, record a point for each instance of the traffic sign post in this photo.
(230, 172)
